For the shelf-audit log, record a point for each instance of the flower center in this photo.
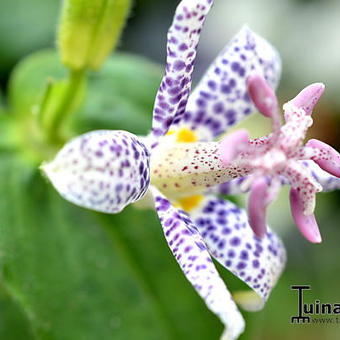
(272, 161)
(181, 166)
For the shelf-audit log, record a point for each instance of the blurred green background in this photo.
(67, 273)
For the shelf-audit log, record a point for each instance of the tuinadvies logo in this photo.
(306, 311)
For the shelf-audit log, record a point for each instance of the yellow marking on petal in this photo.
(177, 205)
(248, 300)
(190, 203)
(170, 132)
(185, 135)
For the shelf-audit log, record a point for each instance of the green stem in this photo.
(45, 100)
(54, 125)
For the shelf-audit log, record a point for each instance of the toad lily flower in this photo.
(276, 159)
(182, 169)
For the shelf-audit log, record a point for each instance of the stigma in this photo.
(278, 158)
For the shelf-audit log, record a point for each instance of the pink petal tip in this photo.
(308, 97)
(231, 145)
(306, 224)
(257, 205)
(329, 159)
(262, 95)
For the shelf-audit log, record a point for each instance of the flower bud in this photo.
(89, 30)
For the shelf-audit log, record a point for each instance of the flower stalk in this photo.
(61, 99)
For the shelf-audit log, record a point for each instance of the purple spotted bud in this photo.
(101, 170)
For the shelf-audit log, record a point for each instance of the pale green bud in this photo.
(89, 30)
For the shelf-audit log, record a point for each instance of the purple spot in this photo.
(221, 244)
(183, 47)
(241, 265)
(235, 241)
(231, 253)
(212, 85)
(225, 89)
(179, 65)
(226, 231)
(201, 103)
(218, 107)
(235, 66)
(244, 255)
(256, 264)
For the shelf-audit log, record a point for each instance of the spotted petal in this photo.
(101, 170)
(326, 157)
(220, 100)
(235, 186)
(232, 187)
(327, 181)
(191, 253)
(307, 224)
(225, 230)
(183, 37)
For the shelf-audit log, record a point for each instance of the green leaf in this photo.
(13, 322)
(81, 275)
(29, 79)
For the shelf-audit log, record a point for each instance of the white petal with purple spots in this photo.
(232, 187)
(220, 100)
(193, 257)
(229, 238)
(183, 37)
(101, 170)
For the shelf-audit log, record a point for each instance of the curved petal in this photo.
(262, 95)
(220, 100)
(306, 223)
(231, 145)
(191, 253)
(306, 184)
(257, 206)
(225, 229)
(101, 170)
(327, 158)
(308, 97)
(327, 181)
(264, 98)
(183, 37)
(263, 191)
